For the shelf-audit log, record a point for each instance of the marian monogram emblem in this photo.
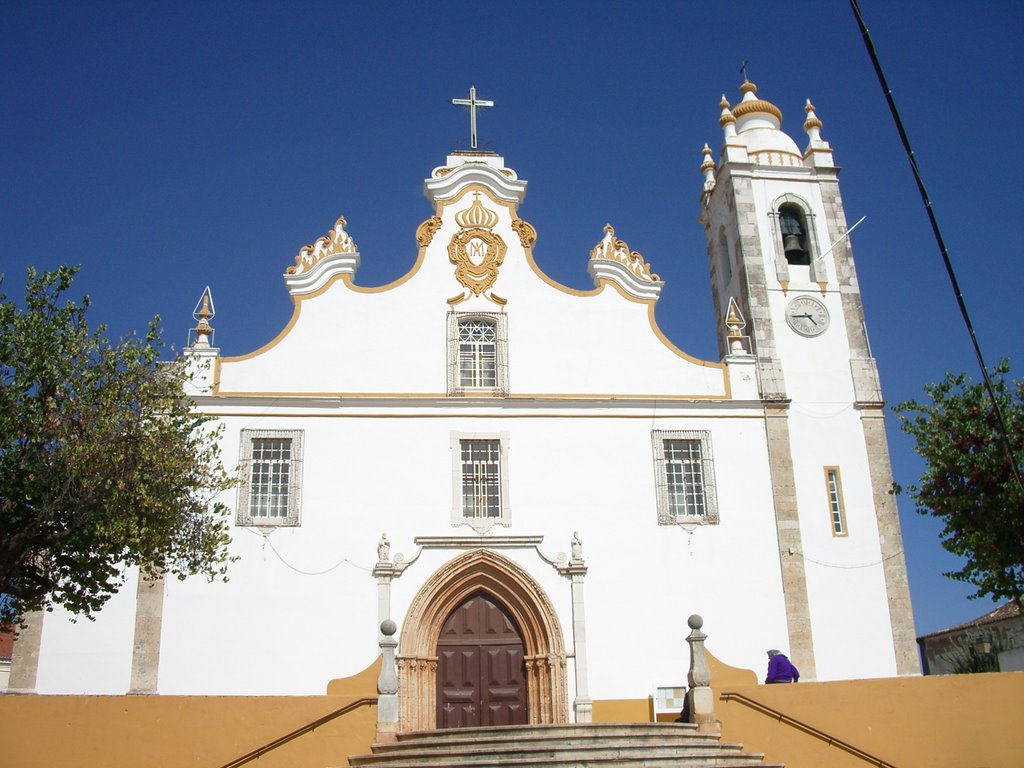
(476, 252)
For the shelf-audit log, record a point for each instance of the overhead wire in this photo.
(1002, 428)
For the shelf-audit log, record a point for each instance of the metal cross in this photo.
(473, 103)
(743, 70)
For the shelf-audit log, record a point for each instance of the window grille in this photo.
(481, 479)
(684, 477)
(480, 497)
(271, 474)
(477, 353)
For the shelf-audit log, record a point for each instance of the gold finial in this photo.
(708, 163)
(812, 120)
(203, 313)
(727, 116)
(751, 104)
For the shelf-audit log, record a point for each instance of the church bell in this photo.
(793, 248)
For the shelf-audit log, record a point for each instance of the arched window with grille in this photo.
(477, 354)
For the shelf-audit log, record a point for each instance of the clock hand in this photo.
(808, 316)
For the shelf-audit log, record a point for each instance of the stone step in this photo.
(579, 761)
(603, 745)
(547, 754)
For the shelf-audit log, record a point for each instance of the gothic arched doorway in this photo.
(522, 603)
(481, 671)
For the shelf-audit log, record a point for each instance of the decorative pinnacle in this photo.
(203, 313)
(812, 125)
(750, 104)
(708, 169)
(727, 116)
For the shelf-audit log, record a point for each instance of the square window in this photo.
(271, 477)
(479, 471)
(684, 477)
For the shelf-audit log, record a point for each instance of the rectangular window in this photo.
(685, 477)
(481, 487)
(837, 510)
(271, 467)
(479, 464)
(477, 353)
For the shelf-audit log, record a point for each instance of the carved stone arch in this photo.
(527, 603)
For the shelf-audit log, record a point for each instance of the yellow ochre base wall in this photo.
(208, 731)
(956, 721)
(943, 721)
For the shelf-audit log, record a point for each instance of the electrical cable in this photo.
(266, 540)
(1003, 431)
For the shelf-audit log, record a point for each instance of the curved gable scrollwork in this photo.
(335, 241)
(612, 260)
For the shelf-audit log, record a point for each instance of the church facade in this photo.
(539, 514)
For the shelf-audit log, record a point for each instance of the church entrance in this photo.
(481, 668)
(480, 645)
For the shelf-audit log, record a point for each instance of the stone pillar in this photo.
(787, 523)
(149, 610)
(384, 571)
(583, 707)
(25, 658)
(699, 696)
(387, 685)
(890, 540)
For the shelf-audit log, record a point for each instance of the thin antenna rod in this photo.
(840, 239)
(1004, 432)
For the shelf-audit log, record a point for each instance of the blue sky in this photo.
(167, 146)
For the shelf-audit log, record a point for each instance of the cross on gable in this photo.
(473, 103)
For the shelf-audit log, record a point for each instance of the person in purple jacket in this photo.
(780, 669)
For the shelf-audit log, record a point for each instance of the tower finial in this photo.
(708, 169)
(203, 313)
(727, 119)
(812, 125)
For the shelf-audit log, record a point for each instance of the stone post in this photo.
(387, 685)
(25, 660)
(576, 570)
(700, 697)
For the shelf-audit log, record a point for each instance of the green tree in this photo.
(103, 463)
(968, 482)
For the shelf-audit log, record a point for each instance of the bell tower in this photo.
(778, 251)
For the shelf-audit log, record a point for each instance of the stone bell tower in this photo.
(781, 263)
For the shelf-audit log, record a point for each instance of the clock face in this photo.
(807, 316)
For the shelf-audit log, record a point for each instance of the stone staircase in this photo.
(601, 745)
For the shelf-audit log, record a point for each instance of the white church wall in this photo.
(77, 655)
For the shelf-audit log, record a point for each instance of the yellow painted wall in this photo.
(208, 731)
(947, 721)
(956, 721)
(943, 721)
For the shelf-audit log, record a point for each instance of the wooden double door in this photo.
(481, 672)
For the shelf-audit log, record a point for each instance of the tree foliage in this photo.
(968, 482)
(103, 463)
